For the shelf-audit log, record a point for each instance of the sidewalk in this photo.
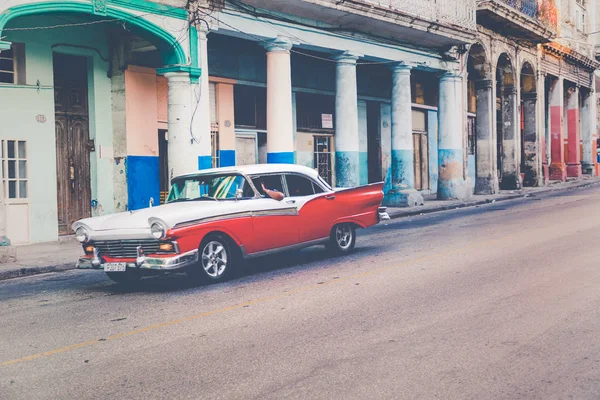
(62, 255)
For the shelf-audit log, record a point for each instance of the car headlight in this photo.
(81, 234)
(157, 230)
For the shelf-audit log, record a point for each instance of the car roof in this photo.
(255, 169)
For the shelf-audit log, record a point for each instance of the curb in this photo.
(28, 271)
(474, 203)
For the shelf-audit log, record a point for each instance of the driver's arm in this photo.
(274, 194)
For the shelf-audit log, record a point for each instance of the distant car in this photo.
(214, 218)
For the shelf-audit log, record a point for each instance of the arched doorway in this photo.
(480, 121)
(507, 132)
(529, 140)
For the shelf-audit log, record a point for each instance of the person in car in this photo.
(274, 194)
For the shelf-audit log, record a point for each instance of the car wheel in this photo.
(126, 277)
(342, 238)
(216, 259)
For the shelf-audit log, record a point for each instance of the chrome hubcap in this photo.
(343, 236)
(214, 259)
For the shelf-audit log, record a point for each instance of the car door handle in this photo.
(291, 201)
(330, 197)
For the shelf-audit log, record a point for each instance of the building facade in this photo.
(104, 101)
(85, 87)
(531, 93)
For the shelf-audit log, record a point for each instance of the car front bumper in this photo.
(178, 261)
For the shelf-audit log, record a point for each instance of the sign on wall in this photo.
(327, 121)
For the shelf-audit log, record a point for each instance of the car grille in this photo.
(126, 248)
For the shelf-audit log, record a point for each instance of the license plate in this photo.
(115, 267)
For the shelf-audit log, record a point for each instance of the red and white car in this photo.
(215, 218)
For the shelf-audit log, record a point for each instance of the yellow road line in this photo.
(247, 303)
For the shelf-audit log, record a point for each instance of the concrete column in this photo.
(451, 184)
(363, 159)
(183, 150)
(486, 181)
(532, 154)
(401, 176)
(573, 142)
(542, 127)
(200, 97)
(588, 127)
(280, 124)
(558, 170)
(347, 163)
(511, 177)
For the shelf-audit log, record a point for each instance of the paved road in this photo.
(496, 302)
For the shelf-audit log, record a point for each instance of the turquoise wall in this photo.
(19, 106)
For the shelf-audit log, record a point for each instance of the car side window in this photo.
(299, 185)
(272, 182)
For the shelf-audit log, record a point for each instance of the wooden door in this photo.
(73, 145)
(421, 160)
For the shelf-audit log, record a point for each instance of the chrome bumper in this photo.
(142, 262)
(382, 214)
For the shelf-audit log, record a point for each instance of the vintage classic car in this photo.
(215, 218)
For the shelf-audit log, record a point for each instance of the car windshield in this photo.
(208, 187)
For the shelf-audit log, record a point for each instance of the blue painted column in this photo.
(347, 159)
(401, 176)
(451, 184)
(280, 124)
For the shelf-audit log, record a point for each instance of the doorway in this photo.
(420, 149)
(73, 144)
(245, 149)
(374, 142)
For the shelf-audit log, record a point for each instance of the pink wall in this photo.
(162, 93)
(141, 111)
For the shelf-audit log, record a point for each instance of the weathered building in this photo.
(80, 112)
(530, 104)
(363, 91)
(103, 101)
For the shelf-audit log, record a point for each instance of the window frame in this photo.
(4, 173)
(18, 58)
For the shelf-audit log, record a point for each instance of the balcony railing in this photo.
(460, 13)
(544, 12)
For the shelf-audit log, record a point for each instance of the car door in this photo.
(275, 223)
(317, 208)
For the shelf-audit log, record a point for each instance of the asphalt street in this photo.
(501, 301)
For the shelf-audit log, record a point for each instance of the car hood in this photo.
(168, 214)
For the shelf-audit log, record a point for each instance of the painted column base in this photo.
(403, 198)
(558, 172)
(486, 185)
(281, 158)
(347, 169)
(546, 173)
(574, 170)
(589, 169)
(454, 189)
(511, 181)
(531, 178)
(204, 162)
(227, 158)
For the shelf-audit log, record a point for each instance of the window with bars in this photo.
(12, 64)
(14, 168)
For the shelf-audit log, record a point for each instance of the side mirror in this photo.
(238, 194)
